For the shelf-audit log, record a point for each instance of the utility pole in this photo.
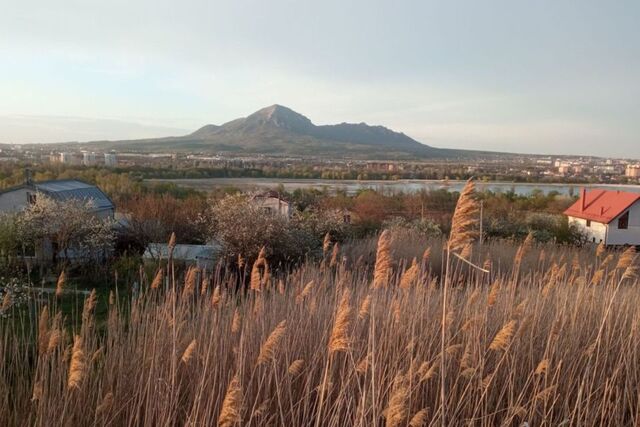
(481, 217)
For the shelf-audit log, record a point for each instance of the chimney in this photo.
(583, 199)
(28, 180)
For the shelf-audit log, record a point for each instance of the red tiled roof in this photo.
(602, 205)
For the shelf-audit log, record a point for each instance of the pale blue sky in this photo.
(525, 76)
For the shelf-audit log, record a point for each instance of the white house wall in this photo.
(629, 236)
(596, 232)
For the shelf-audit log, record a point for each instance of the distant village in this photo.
(507, 167)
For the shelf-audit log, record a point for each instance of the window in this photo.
(588, 223)
(623, 221)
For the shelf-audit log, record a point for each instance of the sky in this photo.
(553, 77)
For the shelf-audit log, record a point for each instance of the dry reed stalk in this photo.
(295, 368)
(105, 405)
(77, 366)
(466, 251)
(190, 281)
(216, 297)
(383, 261)
(157, 279)
(601, 250)
(204, 284)
(55, 337)
(112, 298)
(88, 308)
(334, 255)
(281, 287)
(522, 251)
(188, 352)
(545, 393)
(43, 330)
(236, 323)
(172, 244)
(241, 261)
(503, 337)
(270, 346)
(230, 413)
(326, 243)
(431, 372)
(62, 281)
(37, 391)
(305, 292)
(339, 340)
(409, 276)
(397, 411)
(493, 293)
(426, 255)
(363, 364)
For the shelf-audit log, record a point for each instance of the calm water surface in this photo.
(407, 186)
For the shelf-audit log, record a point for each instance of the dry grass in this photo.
(550, 341)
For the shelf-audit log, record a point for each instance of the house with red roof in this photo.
(612, 217)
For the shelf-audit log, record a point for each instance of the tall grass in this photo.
(549, 337)
(545, 345)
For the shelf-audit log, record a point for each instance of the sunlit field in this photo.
(546, 335)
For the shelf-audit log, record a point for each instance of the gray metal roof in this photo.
(75, 190)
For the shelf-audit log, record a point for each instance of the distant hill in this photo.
(278, 130)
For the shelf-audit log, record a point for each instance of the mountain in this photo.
(278, 130)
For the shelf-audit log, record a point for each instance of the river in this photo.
(407, 186)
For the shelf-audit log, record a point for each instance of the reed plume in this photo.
(62, 281)
(295, 368)
(216, 297)
(236, 322)
(157, 279)
(305, 292)
(397, 411)
(409, 276)
(383, 261)
(326, 243)
(503, 337)
(465, 219)
(270, 346)
(365, 307)
(601, 250)
(419, 419)
(626, 259)
(339, 340)
(188, 352)
(43, 330)
(105, 405)
(230, 413)
(190, 281)
(77, 366)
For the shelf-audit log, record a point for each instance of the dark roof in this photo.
(602, 205)
(72, 189)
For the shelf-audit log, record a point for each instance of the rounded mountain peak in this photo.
(281, 117)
